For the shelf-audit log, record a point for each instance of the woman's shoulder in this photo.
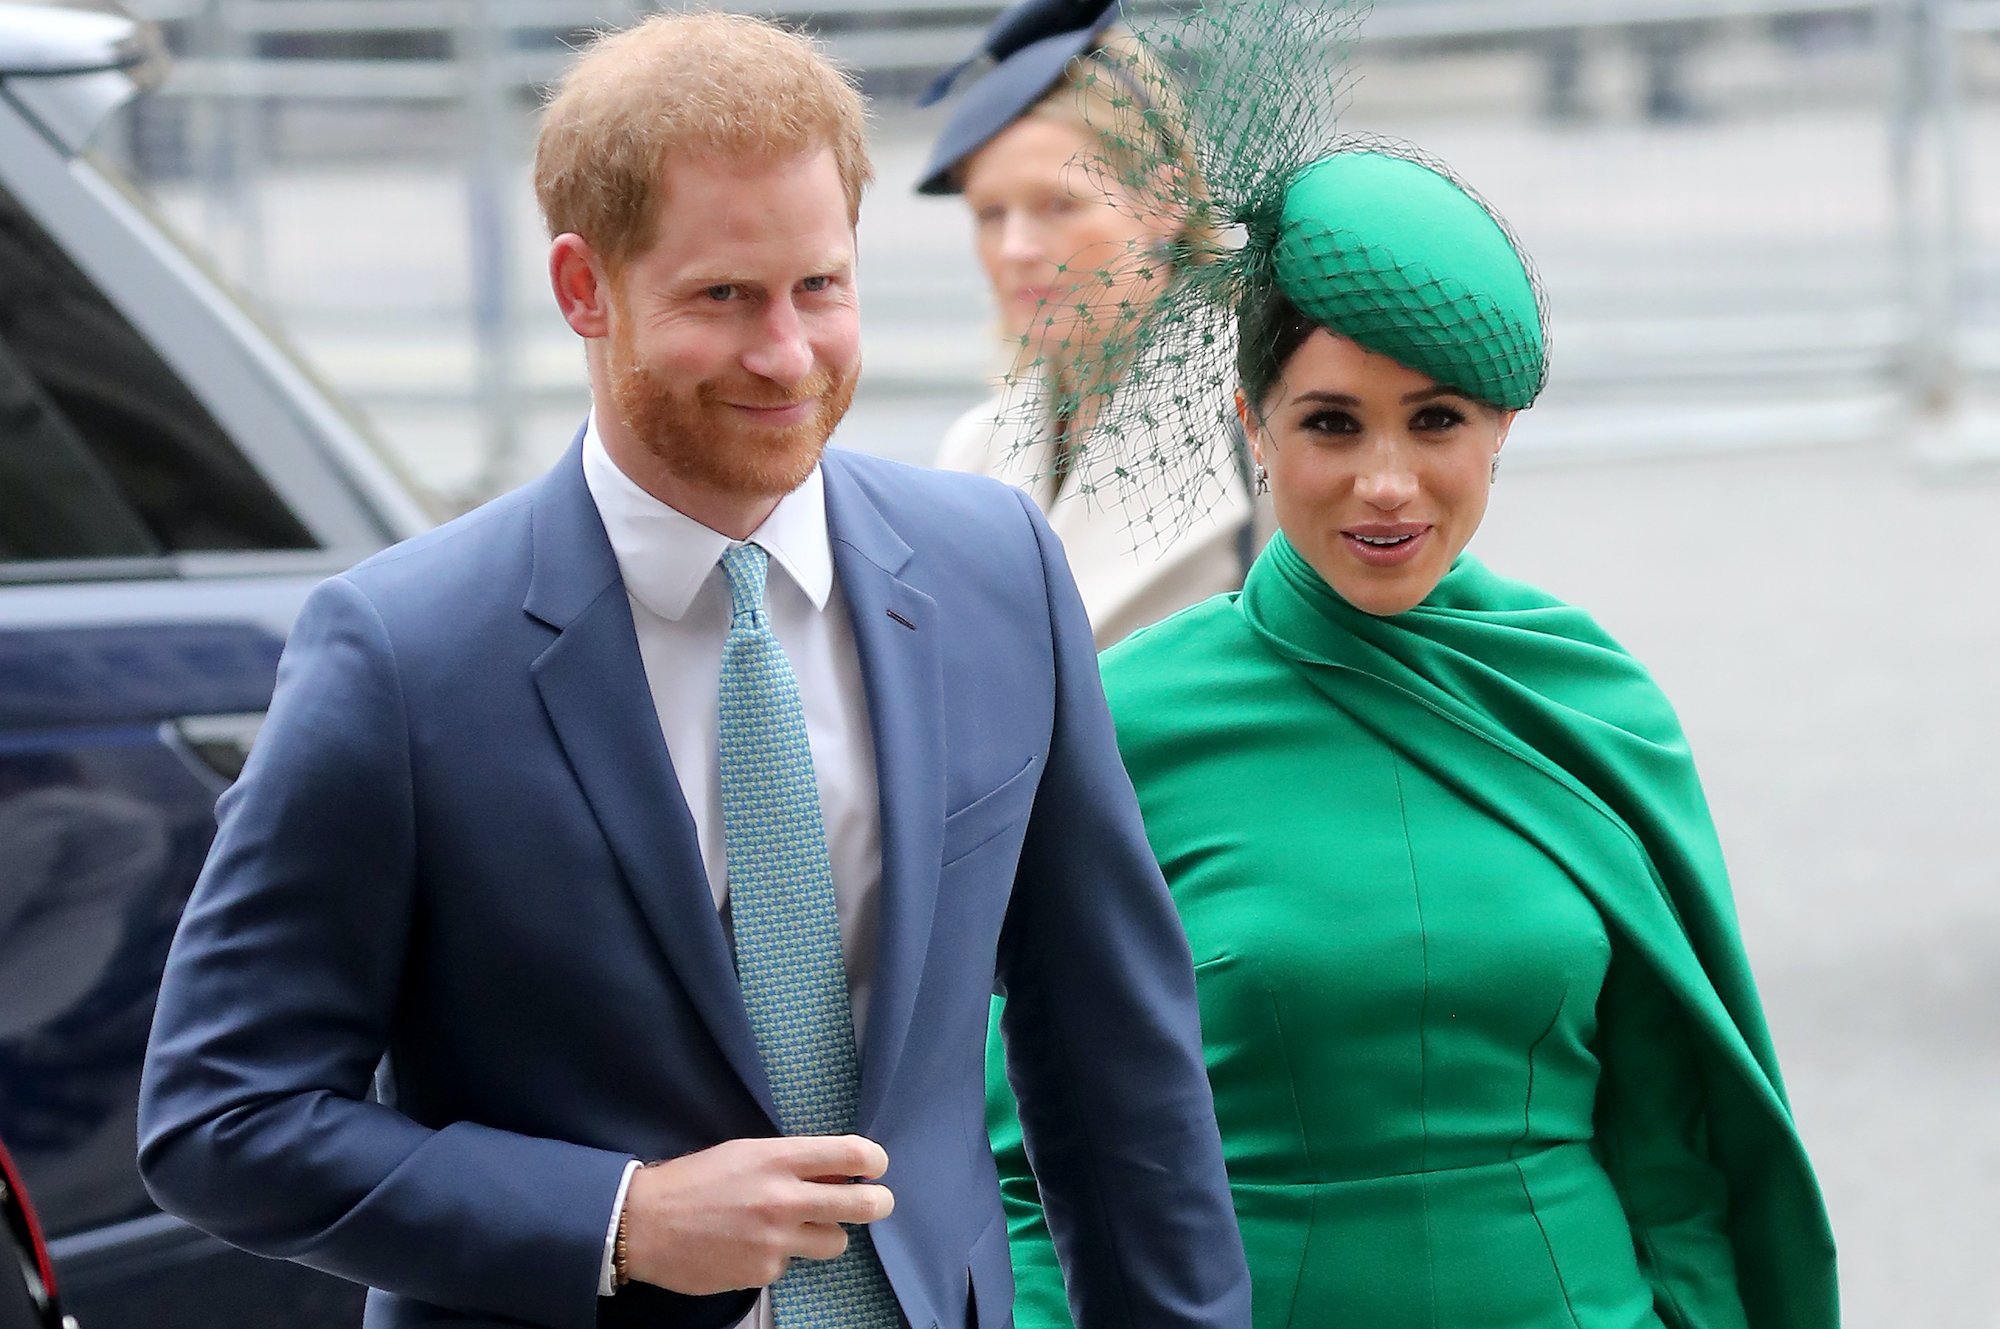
(1184, 655)
(1202, 624)
(978, 438)
(1552, 646)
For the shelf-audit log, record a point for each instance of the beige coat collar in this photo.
(1130, 570)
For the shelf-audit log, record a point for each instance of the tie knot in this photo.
(746, 566)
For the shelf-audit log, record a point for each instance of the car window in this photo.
(104, 452)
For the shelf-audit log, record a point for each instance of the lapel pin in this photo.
(904, 621)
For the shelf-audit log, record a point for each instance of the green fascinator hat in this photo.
(1393, 254)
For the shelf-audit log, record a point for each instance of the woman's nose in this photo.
(1020, 238)
(1386, 480)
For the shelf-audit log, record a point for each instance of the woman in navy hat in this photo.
(1068, 88)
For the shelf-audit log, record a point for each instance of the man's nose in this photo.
(779, 350)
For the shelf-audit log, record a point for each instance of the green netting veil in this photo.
(1223, 120)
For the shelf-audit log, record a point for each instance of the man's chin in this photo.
(714, 448)
(750, 463)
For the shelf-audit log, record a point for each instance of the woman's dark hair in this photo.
(1269, 328)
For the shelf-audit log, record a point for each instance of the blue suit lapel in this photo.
(593, 685)
(896, 636)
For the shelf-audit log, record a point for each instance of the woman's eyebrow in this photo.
(1321, 396)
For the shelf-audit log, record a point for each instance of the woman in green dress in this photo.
(1485, 1049)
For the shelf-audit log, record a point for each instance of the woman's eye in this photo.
(1436, 419)
(1330, 422)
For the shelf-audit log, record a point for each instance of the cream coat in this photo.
(1128, 574)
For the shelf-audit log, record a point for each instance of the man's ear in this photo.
(582, 287)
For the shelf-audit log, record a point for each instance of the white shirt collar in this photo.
(665, 556)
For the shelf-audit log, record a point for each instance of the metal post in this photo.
(1955, 257)
(207, 150)
(1949, 266)
(246, 119)
(489, 122)
(1921, 173)
(1978, 435)
(1930, 184)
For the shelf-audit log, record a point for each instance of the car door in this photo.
(170, 489)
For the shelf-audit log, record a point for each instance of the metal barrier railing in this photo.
(479, 64)
(875, 37)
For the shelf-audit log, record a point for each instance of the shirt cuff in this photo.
(607, 1283)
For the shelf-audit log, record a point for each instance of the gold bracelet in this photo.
(621, 1273)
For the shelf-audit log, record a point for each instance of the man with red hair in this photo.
(661, 829)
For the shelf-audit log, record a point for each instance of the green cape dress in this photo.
(1484, 1043)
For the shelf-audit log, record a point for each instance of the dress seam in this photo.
(1305, 1147)
(1423, 1047)
(1456, 1168)
(1555, 1266)
(1527, 1191)
(1292, 1083)
(1528, 1103)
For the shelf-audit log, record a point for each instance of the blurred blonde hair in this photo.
(685, 87)
(1126, 101)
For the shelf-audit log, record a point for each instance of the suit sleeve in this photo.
(1102, 1032)
(255, 1122)
(1652, 1132)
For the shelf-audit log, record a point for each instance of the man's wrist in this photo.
(612, 1273)
(621, 1267)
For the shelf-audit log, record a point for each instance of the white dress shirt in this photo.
(681, 609)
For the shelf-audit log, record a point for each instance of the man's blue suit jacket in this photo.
(460, 842)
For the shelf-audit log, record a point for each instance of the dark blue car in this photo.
(171, 485)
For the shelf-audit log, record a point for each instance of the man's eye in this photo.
(817, 283)
(720, 293)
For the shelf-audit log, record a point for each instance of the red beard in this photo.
(701, 441)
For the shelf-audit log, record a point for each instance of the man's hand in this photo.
(736, 1215)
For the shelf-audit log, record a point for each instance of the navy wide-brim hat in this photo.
(1031, 43)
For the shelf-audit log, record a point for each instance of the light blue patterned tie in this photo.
(788, 956)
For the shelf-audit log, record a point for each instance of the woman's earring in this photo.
(1494, 478)
(1263, 479)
